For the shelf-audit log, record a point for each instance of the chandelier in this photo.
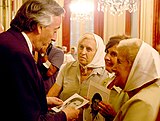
(81, 10)
(117, 6)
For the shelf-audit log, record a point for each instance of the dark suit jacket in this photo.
(22, 89)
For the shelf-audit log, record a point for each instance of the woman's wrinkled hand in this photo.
(106, 110)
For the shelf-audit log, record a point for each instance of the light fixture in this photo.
(117, 6)
(81, 10)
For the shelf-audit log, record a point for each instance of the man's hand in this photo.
(54, 101)
(71, 113)
(43, 49)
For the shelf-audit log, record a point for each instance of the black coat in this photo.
(22, 90)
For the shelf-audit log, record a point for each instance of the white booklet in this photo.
(96, 93)
(96, 88)
(75, 100)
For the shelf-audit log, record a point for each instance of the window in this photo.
(82, 19)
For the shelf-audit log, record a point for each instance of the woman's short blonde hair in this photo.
(130, 48)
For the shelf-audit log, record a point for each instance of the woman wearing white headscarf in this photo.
(138, 74)
(75, 76)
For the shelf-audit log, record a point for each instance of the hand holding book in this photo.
(106, 110)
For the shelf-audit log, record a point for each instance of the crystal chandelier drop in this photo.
(80, 17)
(117, 6)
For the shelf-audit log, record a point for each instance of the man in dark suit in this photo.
(24, 98)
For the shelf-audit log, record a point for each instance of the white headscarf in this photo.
(146, 68)
(98, 59)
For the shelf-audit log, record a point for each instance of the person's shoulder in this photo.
(57, 50)
(70, 64)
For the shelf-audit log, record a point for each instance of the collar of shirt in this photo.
(28, 42)
(99, 70)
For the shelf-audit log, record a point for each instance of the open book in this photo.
(75, 100)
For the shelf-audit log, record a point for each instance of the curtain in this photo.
(66, 25)
(1, 12)
(114, 25)
(5, 13)
(98, 21)
(59, 32)
(156, 23)
(8, 9)
(128, 24)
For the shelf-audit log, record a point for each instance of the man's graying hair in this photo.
(34, 12)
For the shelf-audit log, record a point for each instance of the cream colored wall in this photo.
(146, 23)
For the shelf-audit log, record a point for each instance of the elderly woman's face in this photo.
(122, 70)
(86, 51)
